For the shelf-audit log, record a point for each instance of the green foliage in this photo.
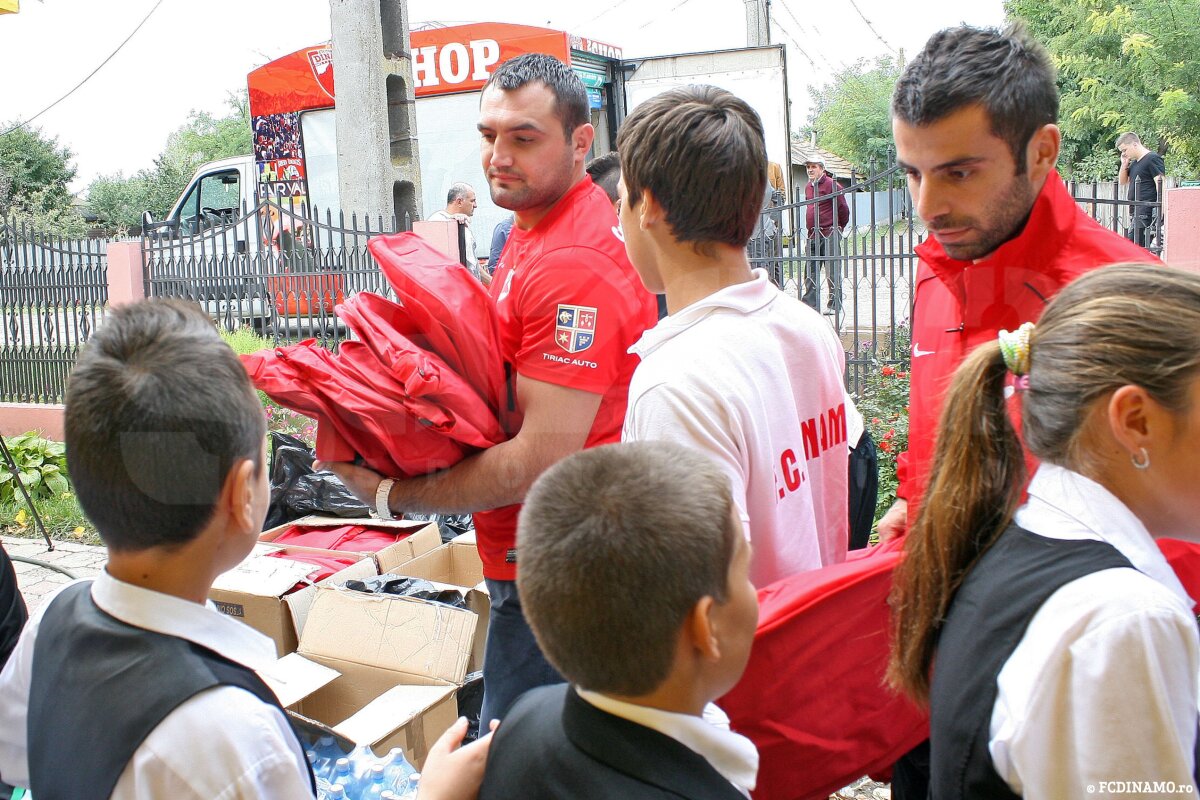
(883, 402)
(851, 114)
(41, 467)
(61, 515)
(34, 170)
(1123, 65)
(119, 201)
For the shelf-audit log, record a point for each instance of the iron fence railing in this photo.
(276, 268)
(861, 272)
(52, 296)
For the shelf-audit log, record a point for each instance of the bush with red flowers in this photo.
(883, 402)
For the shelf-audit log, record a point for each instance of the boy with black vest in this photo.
(132, 685)
(635, 578)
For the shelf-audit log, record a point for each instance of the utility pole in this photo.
(758, 22)
(378, 170)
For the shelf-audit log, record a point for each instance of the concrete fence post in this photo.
(126, 276)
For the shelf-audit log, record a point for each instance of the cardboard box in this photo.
(257, 590)
(457, 563)
(377, 670)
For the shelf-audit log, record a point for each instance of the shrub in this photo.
(41, 468)
(280, 419)
(883, 402)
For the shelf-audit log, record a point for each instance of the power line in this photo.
(678, 6)
(800, 32)
(795, 44)
(89, 75)
(606, 11)
(872, 27)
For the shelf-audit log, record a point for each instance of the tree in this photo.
(34, 171)
(1123, 65)
(119, 201)
(851, 114)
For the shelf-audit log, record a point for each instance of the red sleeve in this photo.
(579, 310)
(902, 489)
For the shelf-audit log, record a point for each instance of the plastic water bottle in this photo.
(327, 752)
(374, 787)
(344, 777)
(411, 787)
(318, 764)
(362, 758)
(397, 768)
(334, 792)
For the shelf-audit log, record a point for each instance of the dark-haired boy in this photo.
(739, 370)
(635, 579)
(132, 685)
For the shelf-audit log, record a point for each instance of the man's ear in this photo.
(1042, 152)
(581, 141)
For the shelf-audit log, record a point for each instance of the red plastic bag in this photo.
(812, 698)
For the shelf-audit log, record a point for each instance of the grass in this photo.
(62, 516)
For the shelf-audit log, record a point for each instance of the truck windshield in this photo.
(213, 200)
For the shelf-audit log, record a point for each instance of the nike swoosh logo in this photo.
(918, 352)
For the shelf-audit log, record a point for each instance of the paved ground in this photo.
(37, 582)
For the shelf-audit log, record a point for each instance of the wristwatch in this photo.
(381, 499)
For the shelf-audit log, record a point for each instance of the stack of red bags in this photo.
(420, 388)
(356, 539)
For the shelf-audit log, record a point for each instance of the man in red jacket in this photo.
(569, 306)
(825, 217)
(973, 117)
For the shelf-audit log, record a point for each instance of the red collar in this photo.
(1046, 233)
(560, 206)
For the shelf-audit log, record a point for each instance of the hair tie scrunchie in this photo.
(1014, 347)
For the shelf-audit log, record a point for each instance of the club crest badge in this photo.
(321, 61)
(575, 328)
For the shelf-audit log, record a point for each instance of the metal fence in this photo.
(276, 268)
(863, 277)
(52, 296)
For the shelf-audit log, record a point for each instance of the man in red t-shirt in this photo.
(570, 306)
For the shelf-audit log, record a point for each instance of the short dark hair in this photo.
(1006, 72)
(606, 173)
(158, 410)
(457, 191)
(701, 152)
(616, 545)
(570, 96)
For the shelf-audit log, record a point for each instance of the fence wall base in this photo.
(18, 418)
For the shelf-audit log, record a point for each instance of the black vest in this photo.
(987, 620)
(100, 686)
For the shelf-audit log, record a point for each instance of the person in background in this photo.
(460, 206)
(569, 307)
(605, 171)
(499, 239)
(1142, 170)
(602, 531)
(739, 370)
(1054, 645)
(825, 218)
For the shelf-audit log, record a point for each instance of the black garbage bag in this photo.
(408, 587)
(297, 491)
(470, 703)
(449, 525)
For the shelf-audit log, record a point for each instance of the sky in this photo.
(190, 55)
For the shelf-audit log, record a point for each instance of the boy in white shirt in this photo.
(739, 370)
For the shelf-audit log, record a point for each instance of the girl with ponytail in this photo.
(1054, 646)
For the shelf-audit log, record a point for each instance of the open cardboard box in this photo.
(377, 670)
(257, 590)
(457, 563)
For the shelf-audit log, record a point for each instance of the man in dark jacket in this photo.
(12, 608)
(825, 218)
